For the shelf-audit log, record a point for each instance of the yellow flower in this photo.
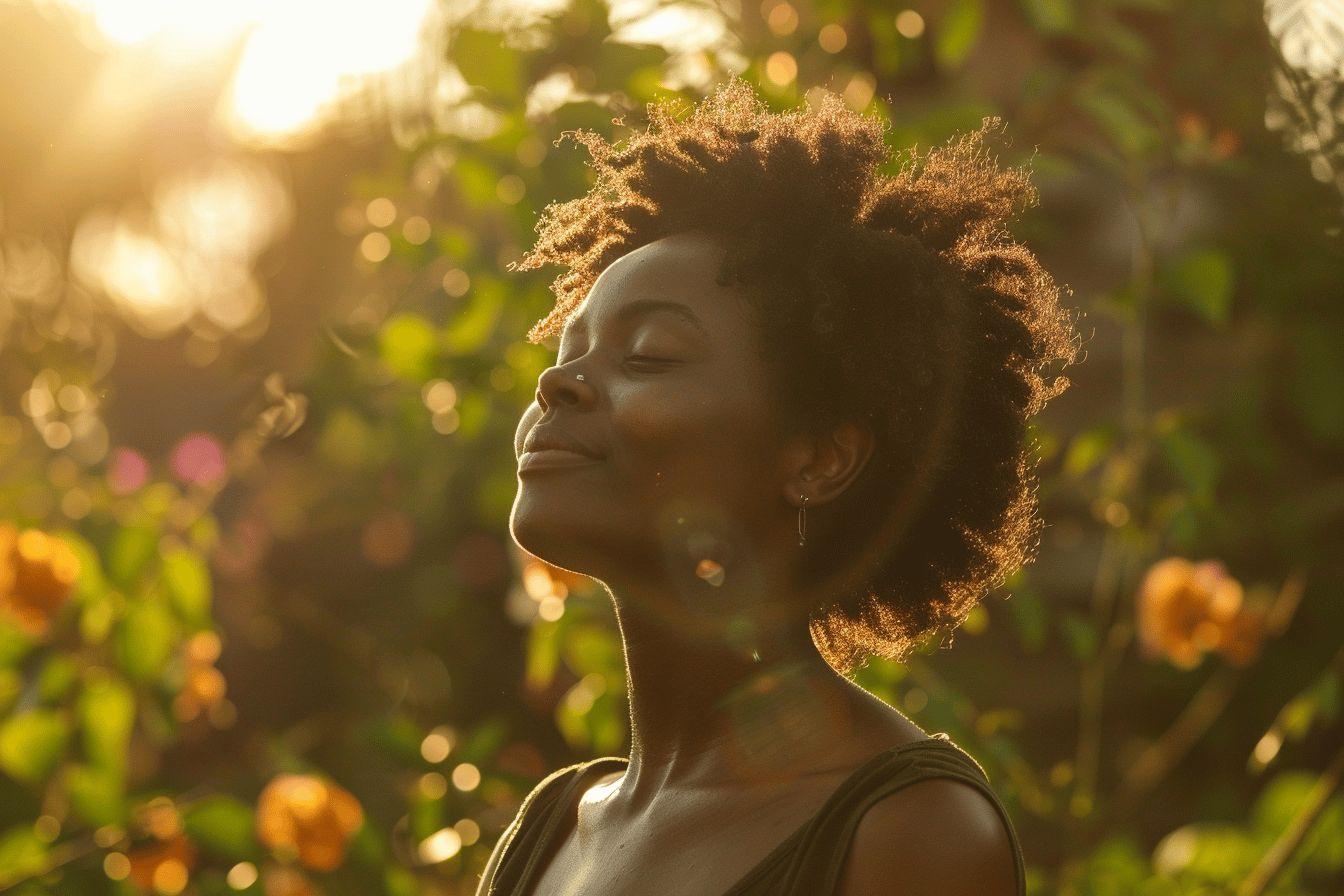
(308, 818)
(37, 574)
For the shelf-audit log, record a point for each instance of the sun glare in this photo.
(296, 57)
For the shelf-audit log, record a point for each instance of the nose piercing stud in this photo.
(802, 522)
(578, 376)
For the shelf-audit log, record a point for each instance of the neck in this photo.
(728, 703)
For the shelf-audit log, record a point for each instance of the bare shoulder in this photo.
(937, 836)
(522, 817)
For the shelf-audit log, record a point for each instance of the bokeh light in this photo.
(199, 459)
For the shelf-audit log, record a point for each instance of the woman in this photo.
(785, 430)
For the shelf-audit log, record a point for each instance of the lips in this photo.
(550, 439)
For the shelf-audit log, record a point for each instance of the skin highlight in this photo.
(753, 313)
(697, 467)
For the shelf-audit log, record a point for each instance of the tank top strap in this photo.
(816, 863)
(534, 824)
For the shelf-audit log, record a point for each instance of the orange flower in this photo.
(37, 573)
(163, 867)
(1187, 609)
(204, 685)
(278, 880)
(309, 818)
(1240, 638)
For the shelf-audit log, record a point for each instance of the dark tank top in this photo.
(807, 863)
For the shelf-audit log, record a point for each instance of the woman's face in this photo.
(678, 411)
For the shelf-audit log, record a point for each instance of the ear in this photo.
(823, 466)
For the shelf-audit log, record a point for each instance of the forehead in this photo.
(679, 269)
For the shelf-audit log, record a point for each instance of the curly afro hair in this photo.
(894, 300)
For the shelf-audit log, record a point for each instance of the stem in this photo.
(1163, 754)
(1111, 564)
(1278, 855)
(1157, 761)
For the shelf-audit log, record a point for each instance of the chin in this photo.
(550, 537)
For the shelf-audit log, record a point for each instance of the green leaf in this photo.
(11, 686)
(1193, 460)
(1120, 120)
(31, 743)
(1081, 636)
(90, 583)
(543, 654)
(145, 639)
(398, 735)
(472, 411)
(1030, 617)
(958, 32)
(592, 648)
(606, 723)
(1326, 694)
(1221, 854)
(484, 61)
(106, 716)
(1316, 372)
(59, 674)
(401, 882)
(187, 580)
(1202, 281)
(346, 442)
(1279, 802)
(1087, 449)
(409, 345)
(96, 794)
(22, 854)
(130, 551)
(1050, 16)
(482, 744)
(477, 181)
(14, 643)
(469, 329)
(95, 621)
(222, 825)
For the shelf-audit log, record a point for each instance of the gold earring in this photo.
(802, 522)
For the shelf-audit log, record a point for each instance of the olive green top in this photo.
(808, 863)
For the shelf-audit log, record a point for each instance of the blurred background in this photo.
(262, 627)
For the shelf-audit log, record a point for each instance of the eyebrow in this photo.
(639, 307)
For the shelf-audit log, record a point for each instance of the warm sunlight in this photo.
(296, 55)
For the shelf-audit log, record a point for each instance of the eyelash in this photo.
(649, 358)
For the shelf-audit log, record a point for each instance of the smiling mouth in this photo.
(553, 459)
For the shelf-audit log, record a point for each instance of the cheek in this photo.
(702, 440)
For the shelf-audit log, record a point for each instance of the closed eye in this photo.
(649, 359)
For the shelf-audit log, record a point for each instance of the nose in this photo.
(562, 384)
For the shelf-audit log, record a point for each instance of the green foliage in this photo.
(144, 639)
(223, 826)
(21, 854)
(959, 31)
(187, 581)
(1202, 280)
(32, 743)
(1050, 16)
(106, 717)
(360, 571)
